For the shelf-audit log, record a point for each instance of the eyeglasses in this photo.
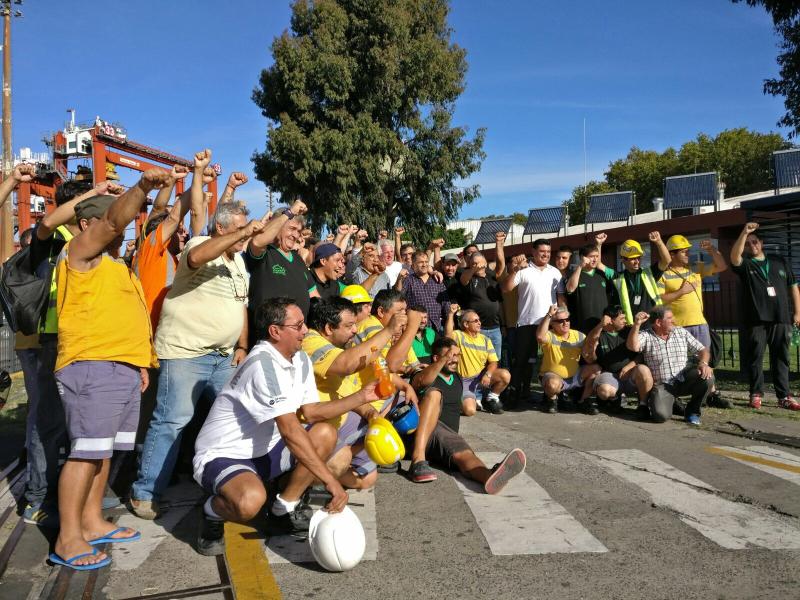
(561, 320)
(296, 326)
(473, 321)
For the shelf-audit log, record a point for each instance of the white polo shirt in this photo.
(241, 423)
(536, 290)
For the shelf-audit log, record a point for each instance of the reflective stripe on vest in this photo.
(650, 286)
(50, 323)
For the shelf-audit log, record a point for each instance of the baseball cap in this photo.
(326, 250)
(94, 207)
(450, 258)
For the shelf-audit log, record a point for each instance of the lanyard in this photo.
(635, 282)
(763, 266)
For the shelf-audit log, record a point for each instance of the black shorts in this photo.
(444, 443)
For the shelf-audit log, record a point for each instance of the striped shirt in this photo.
(667, 358)
(241, 423)
(562, 355)
(476, 353)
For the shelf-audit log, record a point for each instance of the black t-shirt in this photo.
(612, 353)
(455, 291)
(275, 274)
(636, 288)
(47, 249)
(451, 399)
(758, 276)
(587, 301)
(482, 294)
(330, 289)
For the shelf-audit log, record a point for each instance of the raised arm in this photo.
(738, 246)
(663, 252)
(272, 228)
(179, 209)
(214, 246)
(399, 351)
(235, 179)
(86, 248)
(589, 350)
(719, 261)
(398, 241)
(21, 174)
(197, 200)
(544, 324)
(632, 343)
(359, 356)
(436, 247)
(518, 263)
(162, 199)
(574, 278)
(66, 212)
(599, 238)
(449, 321)
(500, 254)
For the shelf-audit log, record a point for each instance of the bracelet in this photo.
(239, 347)
(289, 213)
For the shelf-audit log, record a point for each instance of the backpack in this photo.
(24, 293)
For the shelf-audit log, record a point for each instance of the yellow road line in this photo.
(250, 573)
(754, 459)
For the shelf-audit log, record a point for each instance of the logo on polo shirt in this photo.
(782, 273)
(278, 270)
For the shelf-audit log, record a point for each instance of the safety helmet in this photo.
(356, 294)
(405, 418)
(383, 445)
(631, 249)
(678, 242)
(337, 540)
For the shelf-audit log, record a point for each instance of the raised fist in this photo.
(330, 237)
(402, 274)
(383, 234)
(399, 231)
(24, 173)
(437, 243)
(599, 238)
(343, 230)
(353, 229)
(454, 308)
(397, 323)
(500, 237)
(299, 207)
(750, 227)
(178, 172)
(209, 175)
(201, 159)
(236, 179)
(551, 312)
(252, 228)
(585, 262)
(606, 321)
(114, 189)
(654, 236)
(641, 318)
(361, 235)
(306, 233)
(706, 245)
(154, 179)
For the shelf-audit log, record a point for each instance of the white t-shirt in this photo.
(241, 423)
(204, 310)
(536, 289)
(393, 271)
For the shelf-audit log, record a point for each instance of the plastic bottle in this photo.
(385, 387)
(795, 336)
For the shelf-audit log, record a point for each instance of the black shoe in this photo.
(294, 523)
(715, 400)
(493, 406)
(678, 409)
(565, 402)
(549, 406)
(643, 412)
(392, 468)
(211, 540)
(590, 407)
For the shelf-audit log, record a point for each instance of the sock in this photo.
(209, 511)
(281, 507)
(493, 396)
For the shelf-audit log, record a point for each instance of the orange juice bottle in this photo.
(385, 387)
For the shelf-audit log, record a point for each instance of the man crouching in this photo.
(253, 433)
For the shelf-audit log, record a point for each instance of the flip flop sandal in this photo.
(69, 563)
(110, 539)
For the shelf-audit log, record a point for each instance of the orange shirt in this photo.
(155, 267)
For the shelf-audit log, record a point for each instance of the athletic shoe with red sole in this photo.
(421, 472)
(755, 401)
(789, 403)
(511, 466)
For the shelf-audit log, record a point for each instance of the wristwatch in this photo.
(288, 212)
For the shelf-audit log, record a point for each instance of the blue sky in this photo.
(179, 76)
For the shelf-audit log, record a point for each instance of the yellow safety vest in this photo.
(650, 287)
(50, 323)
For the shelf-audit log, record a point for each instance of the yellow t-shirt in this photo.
(688, 309)
(561, 355)
(476, 353)
(368, 328)
(330, 387)
(102, 315)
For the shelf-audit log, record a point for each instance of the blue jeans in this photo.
(29, 361)
(181, 383)
(49, 433)
(496, 336)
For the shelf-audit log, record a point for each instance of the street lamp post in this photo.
(6, 212)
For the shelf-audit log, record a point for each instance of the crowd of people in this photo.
(277, 339)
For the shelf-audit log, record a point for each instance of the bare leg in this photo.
(323, 438)
(500, 380)
(241, 498)
(429, 408)
(469, 406)
(471, 466)
(339, 465)
(74, 484)
(643, 379)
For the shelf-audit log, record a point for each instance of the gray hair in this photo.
(562, 310)
(224, 215)
(384, 242)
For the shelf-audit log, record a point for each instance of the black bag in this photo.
(24, 292)
(716, 348)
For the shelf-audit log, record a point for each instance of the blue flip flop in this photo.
(110, 539)
(56, 559)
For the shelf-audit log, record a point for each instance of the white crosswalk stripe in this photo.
(770, 460)
(524, 519)
(732, 525)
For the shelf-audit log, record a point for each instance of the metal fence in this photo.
(723, 309)
(8, 358)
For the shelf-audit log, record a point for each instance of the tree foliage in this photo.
(517, 218)
(453, 238)
(742, 157)
(359, 102)
(786, 20)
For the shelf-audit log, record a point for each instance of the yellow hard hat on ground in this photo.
(631, 249)
(382, 443)
(678, 242)
(356, 294)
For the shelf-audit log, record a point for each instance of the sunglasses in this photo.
(561, 320)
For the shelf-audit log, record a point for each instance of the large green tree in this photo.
(741, 156)
(359, 102)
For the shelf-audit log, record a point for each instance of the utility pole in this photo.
(6, 212)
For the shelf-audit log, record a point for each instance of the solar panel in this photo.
(544, 220)
(689, 191)
(787, 168)
(489, 228)
(605, 208)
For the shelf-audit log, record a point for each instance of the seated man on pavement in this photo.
(605, 345)
(669, 351)
(437, 438)
(561, 351)
(254, 433)
(332, 326)
(483, 380)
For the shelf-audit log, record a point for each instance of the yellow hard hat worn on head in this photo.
(631, 249)
(382, 443)
(356, 294)
(678, 242)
